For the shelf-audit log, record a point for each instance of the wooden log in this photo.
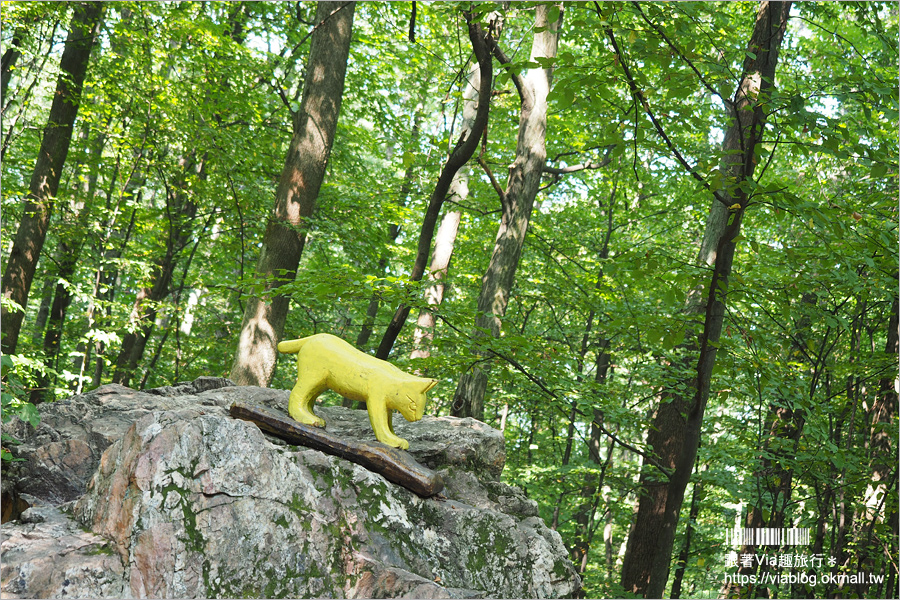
(393, 464)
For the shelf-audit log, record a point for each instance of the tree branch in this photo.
(518, 366)
(681, 55)
(628, 446)
(460, 155)
(313, 30)
(575, 152)
(284, 98)
(412, 24)
(487, 170)
(642, 100)
(558, 172)
(506, 63)
(607, 158)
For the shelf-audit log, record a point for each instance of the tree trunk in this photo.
(62, 297)
(446, 233)
(314, 127)
(72, 237)
(675, 434)
(884, 409)
(40, 319)
(462, 152)
(32, 232)
(99, 311)
(176, 323)
(105, 275)
(774, 477)
(181, 210)
(518, 202)
(882, 442)
(393, 232)
(10, 58)
(685, 554)
(592, 485)
(444, 242)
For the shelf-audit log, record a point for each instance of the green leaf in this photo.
(878, 170)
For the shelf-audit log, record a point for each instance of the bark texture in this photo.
(35, 223)
(518, 202)
(314, 127)
(674, 435)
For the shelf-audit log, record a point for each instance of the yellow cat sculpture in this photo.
(328, 362)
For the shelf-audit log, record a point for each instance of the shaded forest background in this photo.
(698, 330)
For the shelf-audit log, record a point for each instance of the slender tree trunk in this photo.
(461, 153)
(590, 489)
(314, 127)
(35, 223)
(884, 409)
(393, 232)
(10, 58)
(685, 554)
(774, 475)
(62, 297)
(589, 496)
(675, 434)
(444, 241)
(882, 442)
(99, 311)
(176, 323)
(365, 332)
(446, 234)
(182, 210)
(40, 320)
(68, 252)
(518, 202)
(23, 96)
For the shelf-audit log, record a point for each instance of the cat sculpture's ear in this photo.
(428, 384)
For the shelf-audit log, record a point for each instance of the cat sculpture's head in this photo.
(409, 398)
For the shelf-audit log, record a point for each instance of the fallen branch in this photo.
(391, 463)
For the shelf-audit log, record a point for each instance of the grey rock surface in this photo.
(62, 454)
(174, 499)
(47, 555)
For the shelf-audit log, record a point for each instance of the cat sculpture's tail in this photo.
(292, 346)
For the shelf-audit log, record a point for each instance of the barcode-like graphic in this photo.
(767, 536)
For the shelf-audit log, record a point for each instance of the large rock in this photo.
(180, 500)
(62, 455)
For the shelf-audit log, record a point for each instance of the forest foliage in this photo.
(182, 129)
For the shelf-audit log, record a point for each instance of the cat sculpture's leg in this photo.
(380, 418)
(304, 394)
(390, 420)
